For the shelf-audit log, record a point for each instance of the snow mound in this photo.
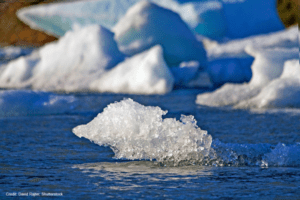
(134, 131)
(70, 64)
(144, 73)
(267, 69)
(24, 102)
(145, 24)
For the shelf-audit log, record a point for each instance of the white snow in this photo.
(230, 62)
(134, 131)
(144, 73)
(25, 102)
(267, 69)
(70, 64)
(282, 92)
(145, 24)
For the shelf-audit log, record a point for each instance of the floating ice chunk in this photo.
(134, 131)
(146, 24)
(267, 66)
(70, 64)
(268, 63)
(17, 73)
(144, 73)
(24, 102)
(281, 92)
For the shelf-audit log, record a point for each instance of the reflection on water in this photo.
(145, 179)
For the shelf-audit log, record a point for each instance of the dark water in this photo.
(41, 154)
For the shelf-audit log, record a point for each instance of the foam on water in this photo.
(134, 131)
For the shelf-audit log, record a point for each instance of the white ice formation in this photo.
(229, 61)
(134, 131)
(145, 24)
(70, 64)
(25, 102)
(282, 92)
(272, 84)
(137, 132)
(87, 60)
(144, 73)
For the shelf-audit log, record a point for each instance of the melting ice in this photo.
(134, 131)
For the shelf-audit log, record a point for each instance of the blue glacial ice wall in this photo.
(211, 18)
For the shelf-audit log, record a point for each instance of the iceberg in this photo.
(70, 64)
(267, 69)
(230, 62)
(282, 92)
(145, 24)
(144, 73)
(137, 132)
(134, 131)
(88, 59)
(214, 18)
(287, 38)
(25, 102)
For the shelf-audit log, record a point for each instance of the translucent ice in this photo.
(213, 18)
(134, 131)
(145, 24)
(25, 102)
(144, 73)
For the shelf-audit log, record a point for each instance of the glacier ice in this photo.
(229, 61)
(281, 92)
(145, 24)
(134, 131)
(70, 64)
(267, 69)
(144, 73)
(287, 38)
(137, 132)
(214, 18)
(25, 102)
